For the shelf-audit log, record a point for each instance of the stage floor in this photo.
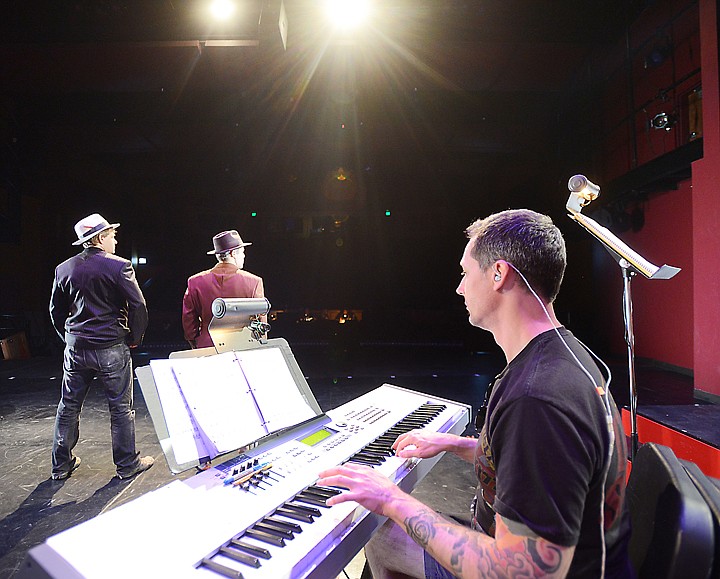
(33, 507)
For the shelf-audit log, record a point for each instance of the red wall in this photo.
(706, 215)
(662, 309)
(677, 320)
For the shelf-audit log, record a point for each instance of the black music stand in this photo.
(631, 263)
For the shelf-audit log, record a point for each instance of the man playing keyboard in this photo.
(551, 457)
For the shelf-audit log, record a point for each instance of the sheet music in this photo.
(216, 404)
(187, 440)
(219, 399)
(274, 388)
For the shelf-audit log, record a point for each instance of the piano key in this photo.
(364, 461)
(285, 533)
(311, 500)
(375, 453)
(317, 492)
(294, 527)
(221, 569)
(294, 515)
(265, 537)
(248, 548)
(383, 449)
(240, 557)
(303, 509)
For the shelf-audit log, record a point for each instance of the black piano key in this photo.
(376, 444)
(382, 449)
(381, 456)
(311, 500)
(366, 457)
(285, 525)
(248, 548)
(303, 509)
(294, 527)
(311, 492)
(221, 569)
(236, 555)
(361, 460)
(375, 453)
(326, 491)
(294, 515)
(285, 533)
(265, 537)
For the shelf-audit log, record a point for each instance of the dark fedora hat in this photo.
(227, 241)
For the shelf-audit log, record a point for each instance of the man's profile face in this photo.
(240, 257)
(476, 287)
(109, 243)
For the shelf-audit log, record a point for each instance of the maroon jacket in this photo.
(225, 280)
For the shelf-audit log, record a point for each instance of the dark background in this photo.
(440, 112)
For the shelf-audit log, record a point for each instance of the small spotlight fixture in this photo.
(663, 121)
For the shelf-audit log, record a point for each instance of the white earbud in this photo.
(497, 277)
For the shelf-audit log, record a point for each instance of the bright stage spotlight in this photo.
(347, 14)
(222, 9)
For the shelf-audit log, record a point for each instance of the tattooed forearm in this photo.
(468, 553)
(421, 527)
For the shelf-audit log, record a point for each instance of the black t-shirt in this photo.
(543, 450)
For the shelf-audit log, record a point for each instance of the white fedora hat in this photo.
(90, 226)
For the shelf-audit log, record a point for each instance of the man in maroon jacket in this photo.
(226, 280)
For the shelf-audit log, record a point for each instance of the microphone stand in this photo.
(631, 263)
(628, 274)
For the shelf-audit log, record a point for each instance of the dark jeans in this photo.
(113, 369)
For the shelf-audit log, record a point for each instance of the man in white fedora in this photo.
(98, 310)
(227, 279)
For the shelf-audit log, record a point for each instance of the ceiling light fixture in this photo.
(222, 9)
(347, 14)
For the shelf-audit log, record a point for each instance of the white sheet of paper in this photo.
(186, 440)
(219, 399)
(216, 404)
(274, 387)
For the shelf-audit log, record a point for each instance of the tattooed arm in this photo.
(514, 551)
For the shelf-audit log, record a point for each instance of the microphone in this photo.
(581, 185)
